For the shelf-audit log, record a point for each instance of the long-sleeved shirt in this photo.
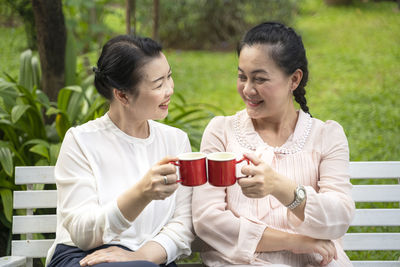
(96, 164)
(316, 155)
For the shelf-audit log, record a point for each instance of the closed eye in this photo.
(260, 80)
(242, 77)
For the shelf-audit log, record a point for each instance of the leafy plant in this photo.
(28, 134)
(190, 117)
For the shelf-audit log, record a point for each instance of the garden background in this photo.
(354, 61)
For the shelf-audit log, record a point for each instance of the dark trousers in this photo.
(69, 256)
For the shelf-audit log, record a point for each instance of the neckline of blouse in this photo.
(248, 138)
(131, 139)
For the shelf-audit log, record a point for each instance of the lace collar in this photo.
(248, 138)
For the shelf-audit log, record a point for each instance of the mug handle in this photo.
(176, 164)
(248, 163)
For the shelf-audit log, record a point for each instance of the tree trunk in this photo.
(130, 13)
(128, 16)
(51, 37)
(156, 17)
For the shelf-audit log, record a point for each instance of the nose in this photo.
(249, 89)
(170, 87)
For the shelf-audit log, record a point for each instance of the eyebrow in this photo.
(162, 77)
(255, 71)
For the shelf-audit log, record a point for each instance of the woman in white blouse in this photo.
(118, 200)
(296, 203)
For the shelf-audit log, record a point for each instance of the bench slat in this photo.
(371, 241)
(376, 217)
(376, 193)
(34, 224)
(31, 248)
(35, 199)
(34, 175)
(374, 169)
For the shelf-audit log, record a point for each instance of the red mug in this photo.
(222, 168)
(192, 168)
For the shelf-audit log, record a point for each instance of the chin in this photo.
(161, 116)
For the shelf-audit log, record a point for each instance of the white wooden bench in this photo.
(24, 250)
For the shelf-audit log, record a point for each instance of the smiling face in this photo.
(155, 90)
(264, 87)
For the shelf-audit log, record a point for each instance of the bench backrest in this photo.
(31, 199)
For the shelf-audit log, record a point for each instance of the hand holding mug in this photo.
(262, 179)
(160, 181)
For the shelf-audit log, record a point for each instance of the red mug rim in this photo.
(214, 156)
(193, 156)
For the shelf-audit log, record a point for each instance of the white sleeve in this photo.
(177, 234)
(88, 223)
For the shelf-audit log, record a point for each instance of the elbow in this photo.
(82, 234)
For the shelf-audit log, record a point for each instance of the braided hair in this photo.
(120, 64)
(287, 51)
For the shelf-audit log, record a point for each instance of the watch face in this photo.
(301, 194)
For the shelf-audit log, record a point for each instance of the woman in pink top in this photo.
(296, 204)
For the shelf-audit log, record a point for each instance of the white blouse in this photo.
(97, 163)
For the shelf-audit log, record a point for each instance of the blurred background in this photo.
(48, 49)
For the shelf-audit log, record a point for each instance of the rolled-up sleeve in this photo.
(329, 210)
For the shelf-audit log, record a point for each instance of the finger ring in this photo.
(165, 179)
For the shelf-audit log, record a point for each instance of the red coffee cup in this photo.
(192, 168)
(222, 168)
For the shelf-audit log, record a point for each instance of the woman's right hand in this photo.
(153, 186)
(300, 244)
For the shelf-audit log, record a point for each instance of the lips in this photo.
(165, 104)
(253, 102)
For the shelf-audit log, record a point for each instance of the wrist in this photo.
(293, 242)
(140, 189)
(283, 189)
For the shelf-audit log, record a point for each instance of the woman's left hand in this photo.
(262, 178)
(111, 254)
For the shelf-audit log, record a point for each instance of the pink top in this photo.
(315, 155)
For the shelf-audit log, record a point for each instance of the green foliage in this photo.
(190, 118)
(28, 134)
(216, 24)
(85, 21)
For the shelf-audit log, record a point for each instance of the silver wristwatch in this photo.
(299, 196)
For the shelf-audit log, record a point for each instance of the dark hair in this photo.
(119, 65)
(287, 51)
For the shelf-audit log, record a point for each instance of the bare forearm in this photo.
(273, 240)
(132, 202)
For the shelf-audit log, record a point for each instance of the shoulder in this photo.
(164, 129)
(329, 128)
(329, 135)
(90, 126)
(223, 122)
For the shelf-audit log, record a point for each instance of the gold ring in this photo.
(165, 179)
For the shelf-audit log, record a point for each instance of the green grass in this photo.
(12, 44)
(354, 58)
(354, 61)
